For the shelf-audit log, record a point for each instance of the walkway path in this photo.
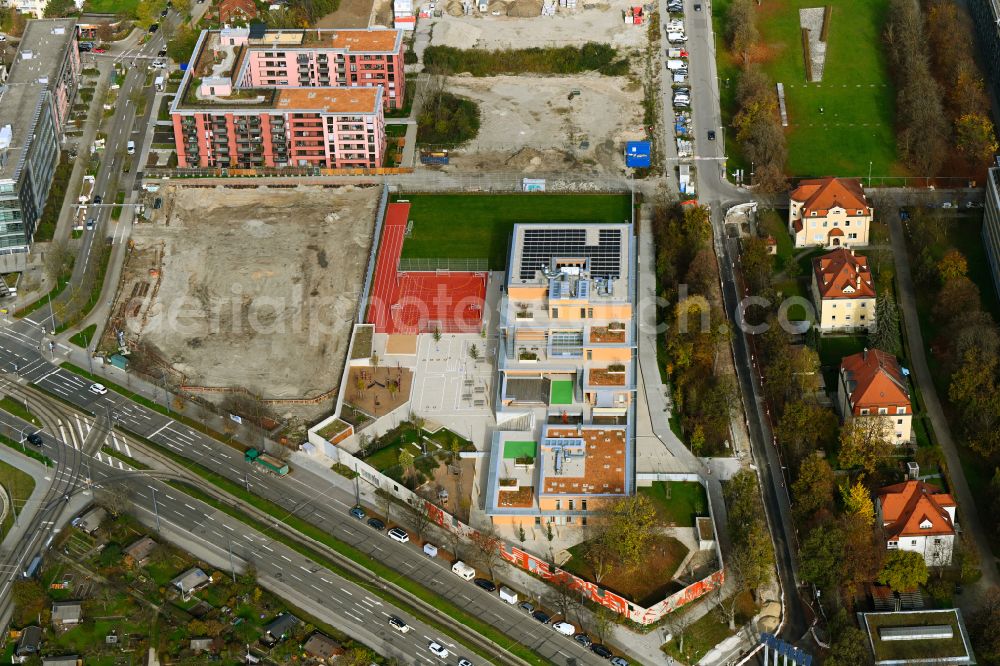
(922, 375)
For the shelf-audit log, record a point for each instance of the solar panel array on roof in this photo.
(540, 245)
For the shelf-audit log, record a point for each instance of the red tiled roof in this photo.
(843, 274)
(228, 7)
(906, 505)
(822, 194)
(875, 380)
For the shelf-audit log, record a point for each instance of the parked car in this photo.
(398, 624)
(541, 616)
(485, 584)
(377, 524)
(98, 199)
(90, 223)
(619, 661)
(697, 8)
(711, 135)
(35, 439)
(438, 650)
(564, 628)
(464, 662)
(153, 28)
(526, 606)
(100, 49)
(583, 639)
(99, 389)
(399, 534)
(601, 651)
(162, 53)
(358, 512)
(676, 37)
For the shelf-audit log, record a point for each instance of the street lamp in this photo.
(869, 173)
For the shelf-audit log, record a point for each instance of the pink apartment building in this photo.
(231, 112)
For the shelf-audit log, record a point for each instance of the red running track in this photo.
(420, 302)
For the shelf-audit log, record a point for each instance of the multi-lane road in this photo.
(302, 494)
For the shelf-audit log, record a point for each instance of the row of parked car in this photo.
(466, 572)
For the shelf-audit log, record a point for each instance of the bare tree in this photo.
(419, 518)
(115, 499)
(563, 597)
(386, 502)
(679, 622)
(58, 261)
(603, 619)
(487, 548)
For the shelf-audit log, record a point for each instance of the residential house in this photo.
(237, 11)
(66, 613)
(829, 212)
(843, 291)
(202, 645)
(323, 648)
(91, 520)
(919, 517)
(279, 628)
(191, 580)
(65, 660)
(871, 384)
(28, 643)
(140, 550)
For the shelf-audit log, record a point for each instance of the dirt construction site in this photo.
(531, 124)
(252, 288)
(518, 28)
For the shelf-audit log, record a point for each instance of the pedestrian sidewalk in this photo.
(25, 510)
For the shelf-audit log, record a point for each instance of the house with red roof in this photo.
(830, 212)
(237, 11)
(843, 291)
(919, 517)
(872, 384)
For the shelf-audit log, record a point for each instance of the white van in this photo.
(508, 595)
(676, 37)
(131, 148)
(430, 550)
(675, 64)
(463, 570)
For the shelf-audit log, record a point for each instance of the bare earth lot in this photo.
(603, 23)
(252, 288)
(350, 14)
(527, 123)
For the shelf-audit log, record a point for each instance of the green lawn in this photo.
(856, 94)
(17, 408)
(562, 392)
(480, 225)
(126, 7)
(707, 632)
(19, 486)
(677, 502)
(84, 337)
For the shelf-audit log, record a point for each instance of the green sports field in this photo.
(562, 392)
(856, 95)
(479, 225)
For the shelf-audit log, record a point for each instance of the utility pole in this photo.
(156, 511)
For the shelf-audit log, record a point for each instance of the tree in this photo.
(628, 525)
(865, 441)
(802, 428)
(603, 619)
(984, 625)
(29, 600)
(115, 498)
(813, 489)
(406, 462)
(863, 555)
(59, 8)
(487, 548)
(563, 597)
(858, 503)
(957, 297)
(420, 519)
(903, 570)
(182, 7)
(474, 352)
(58, 261)
(751, 540)
(885, 334)
(820, 556)
(976, 138)
(757, 263)
(679, 622)
(358, 656)
(147, 12)
(849, 648)
(952, 265)
(181, 46)
(601, 558)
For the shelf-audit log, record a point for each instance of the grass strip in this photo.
(149, 404)
(84, 337)
(18, 486)
(377, 568)
(95, 293)
(18, 409)
(311, 531)
(124, 458)
(25, 450)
